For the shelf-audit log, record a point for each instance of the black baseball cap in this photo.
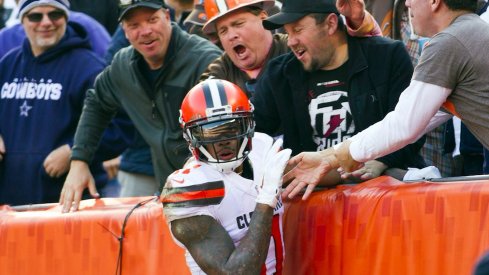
(293, 10)
(127, 5)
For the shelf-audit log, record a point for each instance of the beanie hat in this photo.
(27, 5)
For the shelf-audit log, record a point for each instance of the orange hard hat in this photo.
(217, 8)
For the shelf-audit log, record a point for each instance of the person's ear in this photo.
(435, 4)
(166, 13)
(331, 22)
(123, 26)
(263, 15)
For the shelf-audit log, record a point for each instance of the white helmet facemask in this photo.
(217, 121)
(236, 128)
(229, 165)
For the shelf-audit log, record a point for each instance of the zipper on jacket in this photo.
(373, 97)
(154, 111)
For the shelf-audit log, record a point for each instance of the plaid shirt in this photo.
(433, 154)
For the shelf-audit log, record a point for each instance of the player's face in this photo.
(223, 150)
(225, 147)
(244, 39)
(47, 32)
(149, 32)
(310, 43)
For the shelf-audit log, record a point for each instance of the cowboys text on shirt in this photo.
(25, 89)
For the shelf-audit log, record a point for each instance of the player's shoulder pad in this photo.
(197, 184)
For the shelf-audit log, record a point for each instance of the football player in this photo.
(224, 206)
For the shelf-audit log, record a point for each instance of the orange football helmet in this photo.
(213, 115)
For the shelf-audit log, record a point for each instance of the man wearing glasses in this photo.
(43, 84)
(149, 80)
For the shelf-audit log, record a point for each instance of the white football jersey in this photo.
(199, 189)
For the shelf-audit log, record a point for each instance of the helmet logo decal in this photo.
(214, 93)
(222, 6)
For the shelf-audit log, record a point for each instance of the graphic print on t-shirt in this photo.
(25, 91)
(329, 109)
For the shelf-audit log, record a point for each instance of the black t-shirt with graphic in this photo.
(329, 109)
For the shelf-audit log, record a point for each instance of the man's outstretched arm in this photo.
(308, 168)
(414, 115)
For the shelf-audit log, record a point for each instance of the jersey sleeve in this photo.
(192, 191)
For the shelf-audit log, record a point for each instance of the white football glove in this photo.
(263, 143)
(270, 184)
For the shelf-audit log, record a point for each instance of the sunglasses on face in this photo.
(36, 17)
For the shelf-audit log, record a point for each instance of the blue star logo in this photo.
(24, 109)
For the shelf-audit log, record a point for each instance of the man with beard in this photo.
(331, 85)
(248, 47)
(451, 76)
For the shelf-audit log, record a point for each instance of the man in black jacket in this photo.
(331, 85)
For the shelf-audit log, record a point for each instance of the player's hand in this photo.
(77, 180)
(308, 169)
(2, 148)
(271, 183)
(57, 162)
(370, 170)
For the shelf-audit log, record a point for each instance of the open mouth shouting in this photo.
(240, 51)
(299, 53)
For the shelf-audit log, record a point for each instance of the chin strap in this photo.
(226, 166)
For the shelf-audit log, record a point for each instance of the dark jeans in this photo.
(486, 162)
(482, 267)
(468, 164)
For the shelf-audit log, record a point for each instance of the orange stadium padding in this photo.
(87, 242)
(382, 226)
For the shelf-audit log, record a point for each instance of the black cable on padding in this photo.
(118, 270)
